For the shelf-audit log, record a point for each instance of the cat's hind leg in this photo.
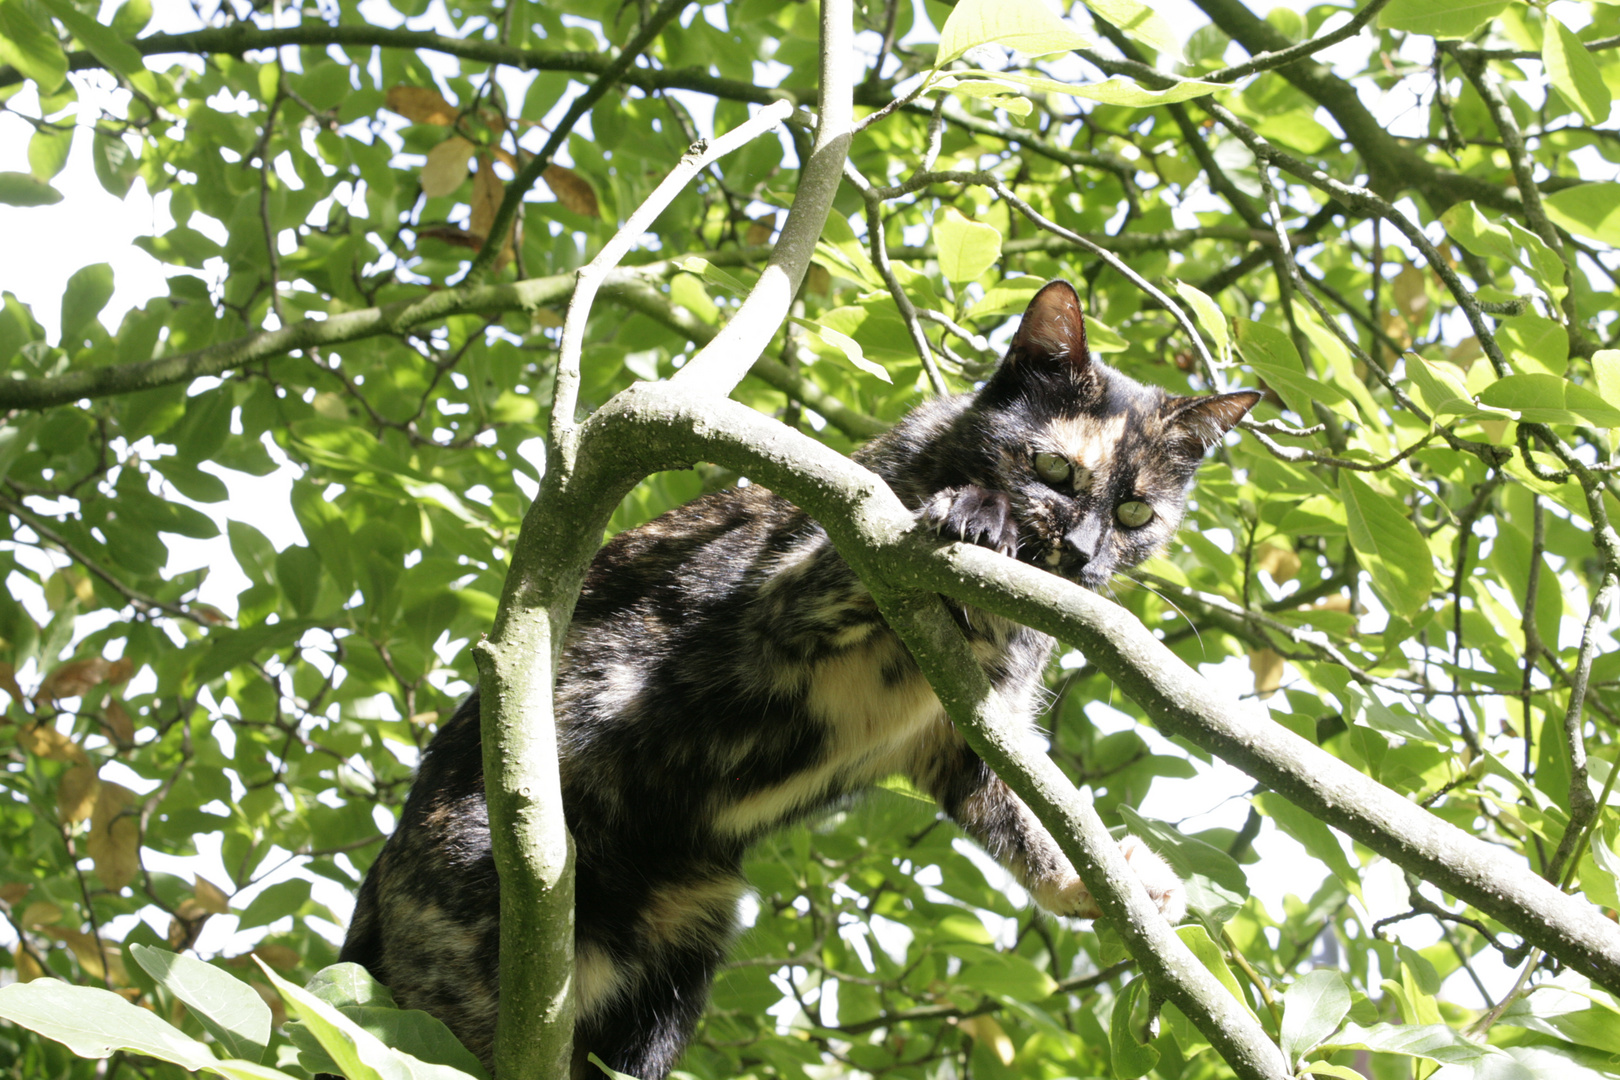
(642, 1029)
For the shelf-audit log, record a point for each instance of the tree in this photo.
(376, 234)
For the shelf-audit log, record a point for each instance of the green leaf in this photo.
(94, 1023)
(1573, 71)
(1270, 352)
(1026, 25)
(1478, 234)
(1313, 1008)
(1391, 548)
(229, 1008)
(966, 248)
(88, 291)
(358, 1054)
(276, 901)
(21, 189)
(1548, 399)
(1111, 91)
(1003, 974)
(115, 163)
(1132, 1058)
(1440, 18)
(1589, 210)
(30, 48)
(104, 45)
(1142, 23)
(48, 151)
(1606, 372)
(1435, 1042)
(1210, 317)
(838, 341)
(1213, 957)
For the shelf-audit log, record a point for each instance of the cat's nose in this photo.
(1083, 539)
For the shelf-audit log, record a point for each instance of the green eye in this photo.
(1134, 514)
(1052, 468)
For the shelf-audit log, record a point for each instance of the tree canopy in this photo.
(1398, 219)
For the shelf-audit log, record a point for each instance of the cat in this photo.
(726, 673)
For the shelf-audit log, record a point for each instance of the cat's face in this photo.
(1096, 464)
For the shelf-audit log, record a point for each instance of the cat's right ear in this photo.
(1052, 335)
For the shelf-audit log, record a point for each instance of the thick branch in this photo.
(657, 423)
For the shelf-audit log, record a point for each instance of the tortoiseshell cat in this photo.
(726, 673)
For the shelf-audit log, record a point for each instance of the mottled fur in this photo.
(726, 673)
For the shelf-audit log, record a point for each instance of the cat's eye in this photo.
(1134, 514)
(1052, 468)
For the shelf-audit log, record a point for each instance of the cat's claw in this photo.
(1169, 892)
(974, 515)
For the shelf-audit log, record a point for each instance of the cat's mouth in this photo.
(1088, 574)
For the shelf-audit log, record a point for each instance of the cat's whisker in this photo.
(1190, 624)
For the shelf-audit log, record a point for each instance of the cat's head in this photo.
(1097, 464)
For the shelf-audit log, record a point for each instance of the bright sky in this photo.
(45, 245)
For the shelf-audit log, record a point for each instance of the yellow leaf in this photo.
(28, 968)
(446, 166)
(40, 913)
(984, 1029)
(114, 840)
(13, 891)
(572, 190)
(76, 793)
(488, 191)
(760, 230)
(1268, 670)
(1411, 298)
(421, 105)
(330, 405)
(1279, 562)
(44, 741)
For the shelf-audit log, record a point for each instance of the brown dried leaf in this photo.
(446, 166)
(1279, 562)
(8, 682)
(91, 953)
(488, 191)
(28, 968)
(278, 1008)
(421, 105)
(504, 158)
(450, 234)
(44, 741)
(75, 678)
(1333, 603)
(432, 715)
(280, 957)
(118, 722)
(211, 897)
(760, 230)
(819, 281)
(114, 840)
(76, 793)
(572, 190)
(1410, 296)
(13, 892)
(185, 926)
(210, 615)
(1268, 670)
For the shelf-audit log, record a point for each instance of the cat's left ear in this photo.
(1196, 424)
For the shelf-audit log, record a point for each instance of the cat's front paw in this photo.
(1072, 898)
(975, 515)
